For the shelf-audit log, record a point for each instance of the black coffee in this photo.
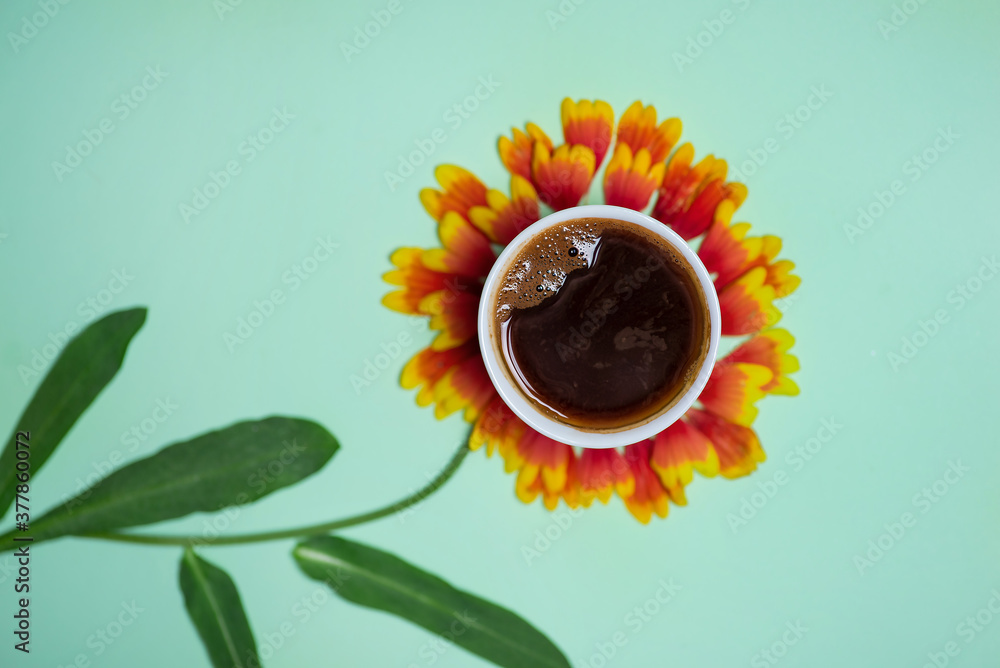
(602, 324)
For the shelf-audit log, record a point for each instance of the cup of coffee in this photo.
(599, 326)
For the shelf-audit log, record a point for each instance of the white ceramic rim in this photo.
(513, 396)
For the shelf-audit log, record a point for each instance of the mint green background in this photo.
(324, 175)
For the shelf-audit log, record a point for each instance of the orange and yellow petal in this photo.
(461, 190)
(679, 450)
(736, 446)
(427, 367)
(465, 387)
(562, 177)
(602, 473)
(733, 389)
(728, 253)
(649, 495)
(503, 219)
(689, 196)
(588, 123)
(544, 468)
(466, 252)
(637, 129)
(725, 251)
(770, 348)
(516, 153)
(747, 304)
(699, 213)
(497, 428)
(528, 488)
(417, 281)
(572, 494)
(629, 180)
(780, 277)
(453, 315)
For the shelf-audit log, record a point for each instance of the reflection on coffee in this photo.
(602, 324)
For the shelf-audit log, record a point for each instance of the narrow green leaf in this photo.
(87, 363)
(233, 466)
(377, 579)
(214, 605)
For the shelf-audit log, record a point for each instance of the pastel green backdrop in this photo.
(222, 76)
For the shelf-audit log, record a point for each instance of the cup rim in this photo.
(513, 396)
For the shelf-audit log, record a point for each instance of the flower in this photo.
(715, 437)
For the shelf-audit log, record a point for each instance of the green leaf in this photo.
(377, 579)
(233, 466)
(214, 605)
(87, 363)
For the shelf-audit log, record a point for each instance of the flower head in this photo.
(715, 437)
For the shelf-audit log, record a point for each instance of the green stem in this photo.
(300, 532)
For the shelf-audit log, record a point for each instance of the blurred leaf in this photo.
(377, 579)
(214, 605)
(88, 362)
(232, 466)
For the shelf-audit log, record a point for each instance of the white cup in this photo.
(514, 397)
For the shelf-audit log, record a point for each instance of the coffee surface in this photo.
(601, 323)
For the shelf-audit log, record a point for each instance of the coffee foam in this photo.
(540, 268)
